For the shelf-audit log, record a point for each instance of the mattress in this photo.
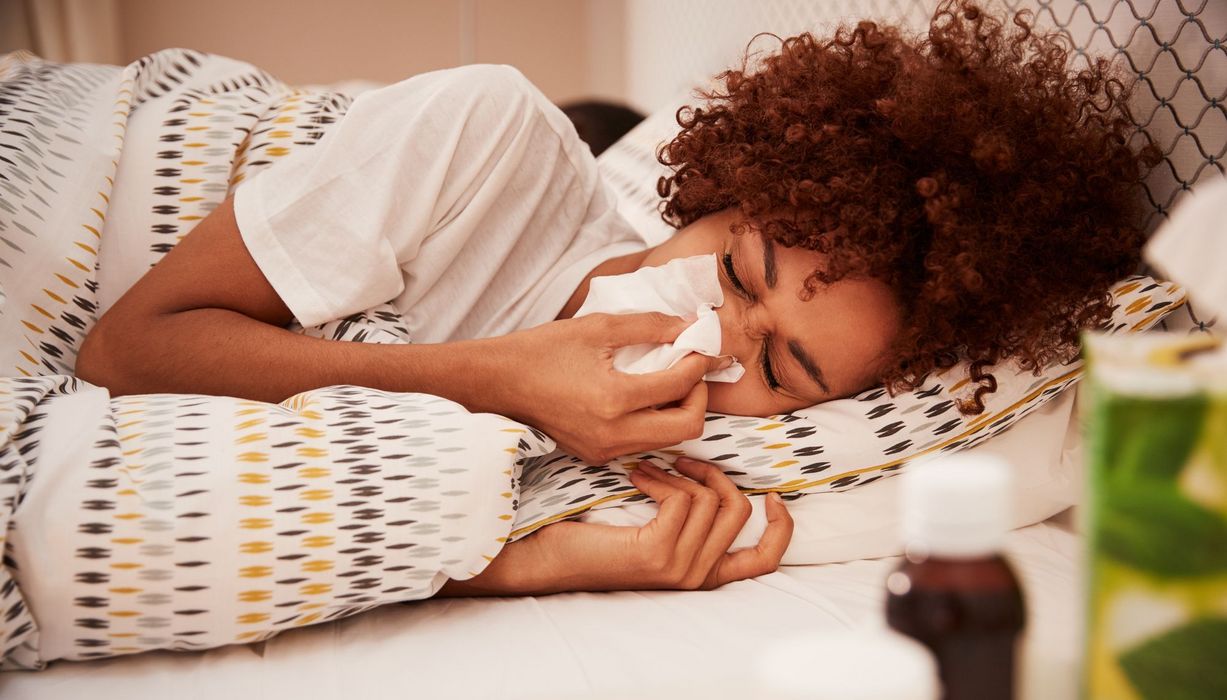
(643, 644)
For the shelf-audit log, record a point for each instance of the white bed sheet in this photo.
(652, 644)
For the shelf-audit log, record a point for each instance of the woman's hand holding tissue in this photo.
(685, 547)
(565, 384)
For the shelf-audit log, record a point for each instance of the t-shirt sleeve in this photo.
(331, 224)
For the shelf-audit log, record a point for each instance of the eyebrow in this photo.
(769, 261)
(808, 364)
(771, 274)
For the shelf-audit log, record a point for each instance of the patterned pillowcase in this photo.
(832, 446)
(837, 445)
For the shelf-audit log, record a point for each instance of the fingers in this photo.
(719, 362)
(674, 507)
(733, 513)
(695, 533)
(661, 559)
(646, 327)
(666, 385)
(707, 560)
(652, 428)
(658, 427)
(718, 511)
(764, 557)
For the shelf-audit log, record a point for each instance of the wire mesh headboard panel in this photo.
(1177, 49)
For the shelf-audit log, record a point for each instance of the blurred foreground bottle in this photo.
(954, 592)
(1157, 450)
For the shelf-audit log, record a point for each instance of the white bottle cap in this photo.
(862, 664)
(956, 505)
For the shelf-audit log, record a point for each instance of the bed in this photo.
(669, 643)
(653, 644)
(676, 643)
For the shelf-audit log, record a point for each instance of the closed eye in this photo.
(768, 374)
(732, 274)
(765, 363)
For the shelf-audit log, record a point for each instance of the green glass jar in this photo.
(1157, 469)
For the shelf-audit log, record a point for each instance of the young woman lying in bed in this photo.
(880, 205)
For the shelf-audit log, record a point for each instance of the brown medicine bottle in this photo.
(954, 592)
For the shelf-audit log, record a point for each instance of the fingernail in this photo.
(685, 460)
(775, 496)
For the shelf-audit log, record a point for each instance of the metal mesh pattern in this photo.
(1176, 53)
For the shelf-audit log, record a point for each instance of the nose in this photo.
(737, 338)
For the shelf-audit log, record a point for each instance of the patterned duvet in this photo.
(181, 521)
(187, 522)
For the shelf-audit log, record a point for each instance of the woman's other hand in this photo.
(567, 385)
(685, 547)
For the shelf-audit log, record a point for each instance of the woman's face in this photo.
(813, 351)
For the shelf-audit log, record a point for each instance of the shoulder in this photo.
(487, 81)
(492, 75)
(488, 93)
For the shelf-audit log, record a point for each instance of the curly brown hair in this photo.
(991, 189)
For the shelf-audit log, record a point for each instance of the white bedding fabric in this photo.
(650, 644)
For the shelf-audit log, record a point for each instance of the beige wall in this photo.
(569, 48)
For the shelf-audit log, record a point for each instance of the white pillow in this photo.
(1044, 451)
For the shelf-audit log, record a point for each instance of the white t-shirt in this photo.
(463, 197)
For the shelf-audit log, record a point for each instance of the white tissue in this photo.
(1190, 248)
(685, 287)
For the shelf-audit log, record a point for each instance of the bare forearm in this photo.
(473, 588)
(522, 568)
(221, 352)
